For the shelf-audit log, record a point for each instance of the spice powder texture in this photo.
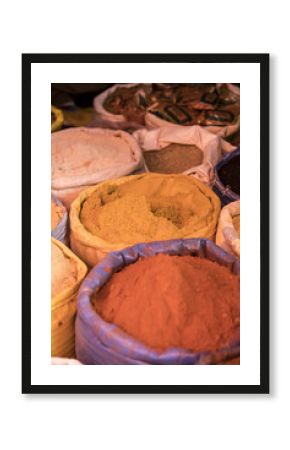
(173, 301)
(146, 209)
(175, 158)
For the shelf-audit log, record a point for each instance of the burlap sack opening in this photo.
(225, 194)
(208, 143)
(79, 162)
(60, 232)
(100, 342)
(119, 121)
(92, 249)
(227, 236)
(63, 310)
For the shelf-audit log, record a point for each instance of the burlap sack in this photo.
(208, 143)
(80, 159)
(101, 342)
(224, 192)
(227, 236)
(60, 232)
(107, 119)
(63, 310)
(92, 249)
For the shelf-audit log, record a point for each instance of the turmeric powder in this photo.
(151, 207)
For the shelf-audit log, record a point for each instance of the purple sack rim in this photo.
(60, 231)
(225, 194)
(100, 342)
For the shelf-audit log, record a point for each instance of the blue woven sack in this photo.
(60, 231)
(100, 342)
(225, 194)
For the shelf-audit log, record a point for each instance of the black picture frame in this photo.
(263, 60)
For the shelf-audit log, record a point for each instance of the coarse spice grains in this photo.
(229, 174)
(173, 301)
(175, 158)
(149, 208)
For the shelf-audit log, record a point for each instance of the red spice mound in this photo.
(174, 301)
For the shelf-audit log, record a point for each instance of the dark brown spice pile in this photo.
(229, 174)
(175, 158)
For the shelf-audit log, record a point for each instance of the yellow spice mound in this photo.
(56, 214)
(149, 208)
(64, 272)
(236, 222)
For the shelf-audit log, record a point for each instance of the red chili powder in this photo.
(174, 301)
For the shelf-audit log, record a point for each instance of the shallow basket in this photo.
(100, 342)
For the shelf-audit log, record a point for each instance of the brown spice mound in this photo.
(229, 174)
(175, 158)
(173, 301)
(236, 223)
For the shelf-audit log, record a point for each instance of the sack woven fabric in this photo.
(78, 162)
(119, 121)
(63, 310)
(61, 230)
(225, 194)
(207, 142)
(227, 236)
(110, 120)
(100, 342)
(92, 249)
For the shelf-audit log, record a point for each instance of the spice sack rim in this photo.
(59, 232)
(218, 184)
(152, 121)
(115, 120)
(210, 144)
(61, 298)
(135, 351)
(227, 236)
(89, 239)
(72, 181)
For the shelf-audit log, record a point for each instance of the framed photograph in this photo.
(153, 276)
